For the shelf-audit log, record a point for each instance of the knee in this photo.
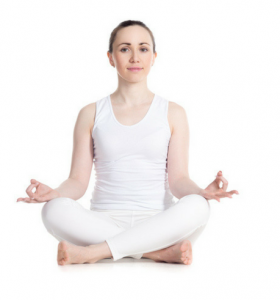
(52, 208)
(198, 205)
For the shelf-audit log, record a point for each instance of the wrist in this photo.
(59, 195)
(202, 193)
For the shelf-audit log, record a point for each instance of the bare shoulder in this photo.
(176, 115)
(87, 115)
(89, 108)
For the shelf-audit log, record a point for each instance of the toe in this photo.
(184, 255)
(59, 261)
(184, 246)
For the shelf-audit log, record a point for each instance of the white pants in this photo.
(128, 233)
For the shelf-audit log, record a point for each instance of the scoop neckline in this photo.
(146, 115)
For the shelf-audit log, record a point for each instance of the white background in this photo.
(220, 61)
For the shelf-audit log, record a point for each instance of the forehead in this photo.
(133, 34)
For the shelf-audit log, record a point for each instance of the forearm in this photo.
(71, 188)
(185, 186)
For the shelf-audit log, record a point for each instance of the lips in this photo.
(134, 70)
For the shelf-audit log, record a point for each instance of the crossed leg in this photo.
(178, 226)
(67, 220)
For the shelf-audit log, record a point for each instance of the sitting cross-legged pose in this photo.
(138, 142)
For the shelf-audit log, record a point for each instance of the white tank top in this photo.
(130, 162)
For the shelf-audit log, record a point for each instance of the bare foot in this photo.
(178, 253)
(72, 254)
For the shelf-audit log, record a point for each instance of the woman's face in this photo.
(128, 53)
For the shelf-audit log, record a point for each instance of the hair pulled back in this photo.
(126, 24)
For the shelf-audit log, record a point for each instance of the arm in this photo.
(71, 188)
(82, 156)
(178, 154)
(185, 186)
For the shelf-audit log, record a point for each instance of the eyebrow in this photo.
(130, 44)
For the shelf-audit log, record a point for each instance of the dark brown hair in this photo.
(126, 24)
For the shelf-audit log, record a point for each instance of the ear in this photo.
(153, 60)
(110, 59)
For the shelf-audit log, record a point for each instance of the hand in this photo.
(213, 190)
(43, 193)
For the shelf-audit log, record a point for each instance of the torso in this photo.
(130, 159)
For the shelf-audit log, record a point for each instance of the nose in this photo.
(134, 57)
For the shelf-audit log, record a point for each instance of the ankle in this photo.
(155, 255)
(99, 251)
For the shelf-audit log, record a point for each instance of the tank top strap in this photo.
(160, 111)
(102, 110)
(160, 107)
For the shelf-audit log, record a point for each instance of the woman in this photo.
(139, 143)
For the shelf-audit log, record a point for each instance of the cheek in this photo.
(147, 67)
(120, 60)
(148, 61)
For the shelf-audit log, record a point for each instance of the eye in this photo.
(141, 49)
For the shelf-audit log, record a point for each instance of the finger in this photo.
(233, 192)
(28, 200)
(225, 182)
(34, 181)
(227, 194)
(219, 173)
(218, 181)
(30, 188)
(223, 194)
(23, 199)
